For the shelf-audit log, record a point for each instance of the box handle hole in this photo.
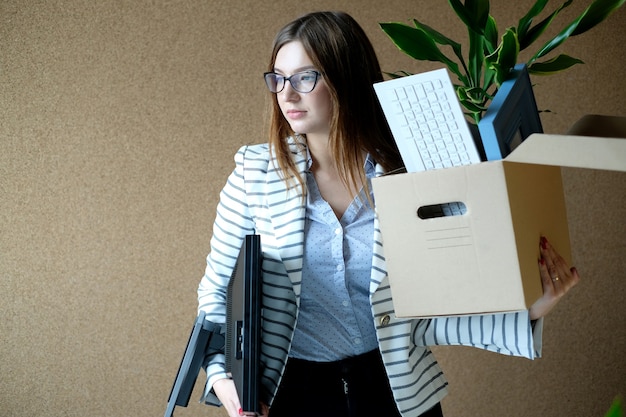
(433, 211)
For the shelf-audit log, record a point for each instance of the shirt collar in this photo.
(370, 166)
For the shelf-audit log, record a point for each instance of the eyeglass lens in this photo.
(302, 82)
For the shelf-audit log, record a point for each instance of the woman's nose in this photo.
(288, 93)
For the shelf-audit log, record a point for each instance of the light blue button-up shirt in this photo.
(335, 319)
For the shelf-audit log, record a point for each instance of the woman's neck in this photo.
(324, 169)
(319, 149)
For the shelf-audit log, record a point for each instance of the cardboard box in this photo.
(485, 260)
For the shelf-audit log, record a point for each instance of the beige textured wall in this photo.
(118, 122)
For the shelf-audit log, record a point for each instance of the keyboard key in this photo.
(421, 145)
(410, 94)
(391, 95)
(406, 133)
(401, 119)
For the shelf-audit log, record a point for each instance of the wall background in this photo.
(119, 120)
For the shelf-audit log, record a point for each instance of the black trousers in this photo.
(352, 387)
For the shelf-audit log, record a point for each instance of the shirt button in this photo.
(338, 231)
(384, 320)
(357, 341)
(339, 267)
(345, 303)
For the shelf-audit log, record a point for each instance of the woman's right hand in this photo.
(227, 393)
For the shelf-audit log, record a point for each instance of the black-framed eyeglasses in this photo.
(302, 82)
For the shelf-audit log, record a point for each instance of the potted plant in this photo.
(492, 56)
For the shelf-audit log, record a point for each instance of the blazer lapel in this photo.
(379, 268)
(287, 213)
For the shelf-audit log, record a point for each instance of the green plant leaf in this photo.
(617, 409)
(438, 36)
(525, 22)
(491, 36)
(474, 13)
(474, 99)
(476, 58)
(462, 13)
(479, 9)
(472, 107)
(505, 56)
(536, 31)
(474, 95)
(560, 63)
(596, 13)
(489, 80)
(417, 44)
(593, 15)
(441, 39)
(556, 41)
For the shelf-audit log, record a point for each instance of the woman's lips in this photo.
(295, 114)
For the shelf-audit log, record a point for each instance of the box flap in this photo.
(572, 151)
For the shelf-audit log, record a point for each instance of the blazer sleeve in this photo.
(506, 333)
(232, 223)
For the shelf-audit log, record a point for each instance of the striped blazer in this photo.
(255, 199)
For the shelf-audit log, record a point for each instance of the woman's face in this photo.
(306, 113)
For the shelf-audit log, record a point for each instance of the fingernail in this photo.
(241, 411)
(544, 242)
(542, 262)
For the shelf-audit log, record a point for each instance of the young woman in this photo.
(331, 345)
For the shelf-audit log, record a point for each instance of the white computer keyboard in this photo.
(426, 120)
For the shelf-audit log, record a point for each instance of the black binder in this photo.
(243, 335)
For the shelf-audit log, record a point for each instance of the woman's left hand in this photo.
(557, 278)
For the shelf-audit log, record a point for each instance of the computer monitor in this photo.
(241, 341)
(243, 325)
(511, 117)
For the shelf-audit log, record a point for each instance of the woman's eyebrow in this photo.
(296, 70)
